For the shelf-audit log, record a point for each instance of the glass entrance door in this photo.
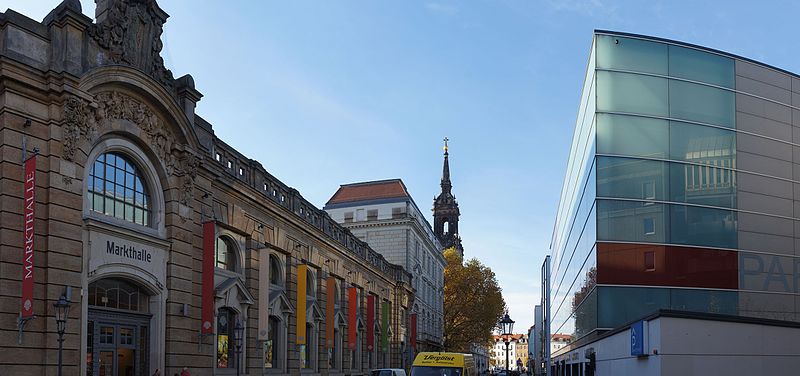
(117, 344)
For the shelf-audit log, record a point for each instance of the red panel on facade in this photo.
(370, 322)
(352, 319)
(28, 226)
(658, 265)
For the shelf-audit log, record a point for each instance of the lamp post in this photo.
(507, 328)
(238, 334)
(62, 310)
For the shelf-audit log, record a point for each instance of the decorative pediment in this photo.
(280, 303)
(82, 121)
(234, 287)
(338, 319)
(313, 313)
(129, 32)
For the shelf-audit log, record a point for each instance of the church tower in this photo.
(445, 210)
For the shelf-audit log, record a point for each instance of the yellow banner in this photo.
(302, 271)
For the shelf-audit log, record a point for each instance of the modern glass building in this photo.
(682, 189)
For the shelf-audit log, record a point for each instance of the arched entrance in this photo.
(118, 332)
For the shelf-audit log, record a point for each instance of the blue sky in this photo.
(324, 93)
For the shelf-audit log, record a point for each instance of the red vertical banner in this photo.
(370, 322)
(412, 337)
(330, 311)
(352, 317)
(28, 224)
(207, 291)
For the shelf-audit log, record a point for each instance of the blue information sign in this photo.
(637, 339)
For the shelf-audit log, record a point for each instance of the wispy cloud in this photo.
(439, 7)
(588, 8)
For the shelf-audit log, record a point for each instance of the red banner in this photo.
(370, 322)
(330, 311)
(412, 337)
(207, 297)
(352, 318)
(29, 211)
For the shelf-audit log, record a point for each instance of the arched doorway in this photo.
(118, 332)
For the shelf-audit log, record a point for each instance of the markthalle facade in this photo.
(171, 248)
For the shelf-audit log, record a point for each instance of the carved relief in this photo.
(82, 123)
(131, 33)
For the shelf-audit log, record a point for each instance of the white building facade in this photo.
(383, 214)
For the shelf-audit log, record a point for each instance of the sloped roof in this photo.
(370, 190)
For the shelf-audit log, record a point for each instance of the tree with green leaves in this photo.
(473, 302)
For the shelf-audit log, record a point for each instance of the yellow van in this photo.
(443, 364)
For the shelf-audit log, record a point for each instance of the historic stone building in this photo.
(173, 249)
(384, 214)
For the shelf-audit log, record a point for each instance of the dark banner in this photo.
(29, 219)
(330, 311)
(412, 337)
(207, 297)
(352, 317)
(370, 322)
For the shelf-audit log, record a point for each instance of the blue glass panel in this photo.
(701, 66)
(701, 103)
(632, 135)
(632, 54)
(693, 225)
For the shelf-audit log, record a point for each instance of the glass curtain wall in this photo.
(653, 160)
(665, 167)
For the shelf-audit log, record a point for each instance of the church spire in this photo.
(446, 185)
(445, 209)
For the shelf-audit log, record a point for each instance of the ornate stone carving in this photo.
(76, 124)
(130, 31)
(80, 122)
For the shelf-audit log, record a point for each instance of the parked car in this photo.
(388, 372)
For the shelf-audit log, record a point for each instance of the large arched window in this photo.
(275, 275)
(118, 189)
(225, 254)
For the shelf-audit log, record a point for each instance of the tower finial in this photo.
(445, 144)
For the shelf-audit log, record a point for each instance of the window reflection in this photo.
(116, 188)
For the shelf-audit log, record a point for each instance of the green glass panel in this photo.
(700, 144)
(632, 54)
(702, 185)
(701, 103)
(711, 301)
(632, 93)
(632, 135)
(621, 305)
(700, 226)
(701, 66)
(632, 178)
(631, 221)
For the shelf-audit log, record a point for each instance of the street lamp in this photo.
(62, 310)
(507, 328)
(238, 335)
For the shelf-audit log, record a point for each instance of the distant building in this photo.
(517, 352)
(383, 214)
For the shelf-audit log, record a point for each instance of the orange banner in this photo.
(352, 317)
